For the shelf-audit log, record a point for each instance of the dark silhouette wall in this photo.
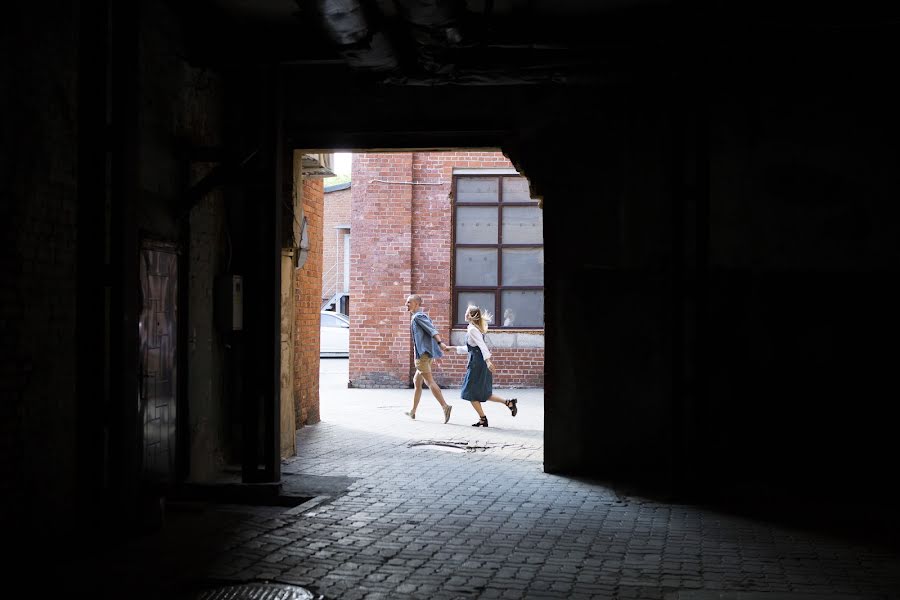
(720, 308)
(720, 313)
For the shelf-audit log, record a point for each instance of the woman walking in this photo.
(478, 385)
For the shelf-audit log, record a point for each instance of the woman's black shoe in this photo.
(482, 422)
(511, 405)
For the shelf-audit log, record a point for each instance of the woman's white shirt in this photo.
(474, 338)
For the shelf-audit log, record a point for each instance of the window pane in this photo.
(476, 225)
(523, 266)
(476, 267)
(483, 300)
(522, 309)
(477, 189)
(515, 189)
(523, 225)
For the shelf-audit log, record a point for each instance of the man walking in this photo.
(427, 343)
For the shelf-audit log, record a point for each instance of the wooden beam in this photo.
(221, 174)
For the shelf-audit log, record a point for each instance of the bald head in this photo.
(413, 302)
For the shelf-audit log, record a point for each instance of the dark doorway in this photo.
(158, 338)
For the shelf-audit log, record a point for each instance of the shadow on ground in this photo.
(861, 520)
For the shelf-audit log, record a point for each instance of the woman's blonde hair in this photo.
(480, 318)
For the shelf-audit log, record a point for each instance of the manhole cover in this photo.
(258, 591)
(448, 447)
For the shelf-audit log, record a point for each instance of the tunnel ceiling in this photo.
(466, 72)
(428, 42)
(498, 42)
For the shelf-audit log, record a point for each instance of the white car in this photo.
(334, 334)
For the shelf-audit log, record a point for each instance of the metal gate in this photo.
(159, 294)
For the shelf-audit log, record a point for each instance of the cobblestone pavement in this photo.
(474, 516)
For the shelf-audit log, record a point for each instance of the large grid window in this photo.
(498, 250)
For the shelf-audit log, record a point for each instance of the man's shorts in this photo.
(423, 364)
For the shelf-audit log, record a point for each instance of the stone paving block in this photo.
(439, 525)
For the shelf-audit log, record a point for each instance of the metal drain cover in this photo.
(258, 591)
(447, 446)
(444, 447)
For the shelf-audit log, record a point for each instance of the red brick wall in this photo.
(380, 270)
(408, 250)
(337, 212)
(513, 367)
(308, 288)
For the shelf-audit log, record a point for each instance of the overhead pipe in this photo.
(435, 22)
(434, 25)
(362, 46)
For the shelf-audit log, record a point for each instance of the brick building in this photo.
(305, 320)
(336, 244)
(427, 223)
(301, 271)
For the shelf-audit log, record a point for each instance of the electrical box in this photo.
(229, 304)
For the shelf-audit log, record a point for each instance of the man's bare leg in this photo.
(435, 389)
(436, 392)
(417, 394)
